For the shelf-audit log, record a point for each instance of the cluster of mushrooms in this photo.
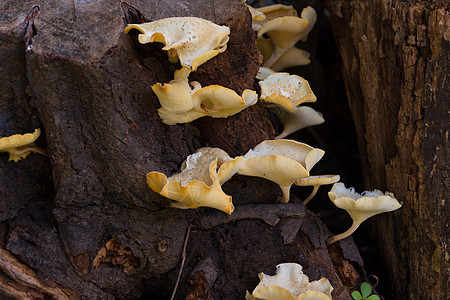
(193, 41)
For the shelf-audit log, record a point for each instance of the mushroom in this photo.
(286, 90)
(289, 283)
(285, 31)
(298, 118)
(360, 207)
(316, 182)
(199, 182)
(21, 145)
(271, 12)
(190, 40)
(181, 103)
(281, 161)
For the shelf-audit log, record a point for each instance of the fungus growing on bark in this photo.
(281, 161)
(360, 207)
(316, 182)
(286, 90)
(21, 145)
(199, 182)
(284, 29)
(289, 283)
(181, 103)
(190, 40)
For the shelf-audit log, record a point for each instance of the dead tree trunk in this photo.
(83, 223)
(395, 57)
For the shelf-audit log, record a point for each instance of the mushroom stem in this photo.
(286, 193)
(313, 193)
(343, 235)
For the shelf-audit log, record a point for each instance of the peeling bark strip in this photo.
(395, 64)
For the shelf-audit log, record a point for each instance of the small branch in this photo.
(25, 276)
(268, 213)
(183, 258)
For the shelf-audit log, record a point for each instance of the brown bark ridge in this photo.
(83, 223)
(395, 57)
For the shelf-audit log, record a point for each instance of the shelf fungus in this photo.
(183, 101)
(284, 29)
(289, 283)
(286, 90)
(19, 146)
(281, 161)
(199, 182)
(360, 207)
(190, 40)
(316, 182)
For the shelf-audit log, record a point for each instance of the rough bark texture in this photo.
(395, 57)
(83, 223)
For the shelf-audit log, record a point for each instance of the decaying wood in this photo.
(83, 220)
(395, 58)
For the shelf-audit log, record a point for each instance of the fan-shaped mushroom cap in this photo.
(362, 206)
(301, 117)
(270, 12)
(281, 161)
(191, 40)
(221, 102)
(199, 182)
(286, 90)
(284, 30)
(17, 145)
(316, 182)
(215, 101)
(289, 283)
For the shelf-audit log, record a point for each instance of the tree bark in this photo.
(83, 223)
(395, 63)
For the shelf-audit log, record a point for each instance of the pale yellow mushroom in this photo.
(360, 207)
(286, 90)
(290, 283)
(316, 182)
(190, 40)
(184, 101)
(301, 117)
(281, 161)
(271, 12)
(285, 31)
(199, 182)
(21, 145)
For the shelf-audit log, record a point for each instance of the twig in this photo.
(183, 258)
